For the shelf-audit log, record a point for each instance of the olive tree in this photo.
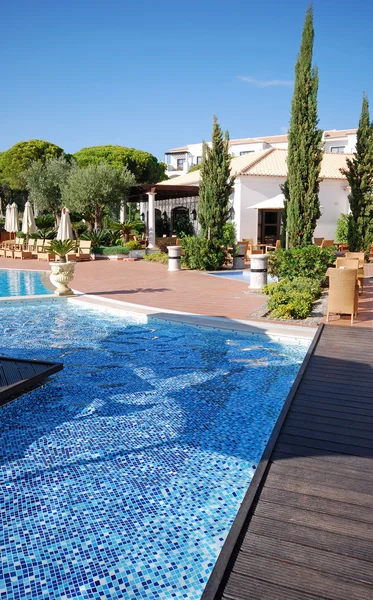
(45, 183)
(97, 188)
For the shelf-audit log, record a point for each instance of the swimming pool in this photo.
(238, 275)
(121, 477)
(14, 282)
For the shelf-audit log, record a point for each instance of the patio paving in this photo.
(152, 285)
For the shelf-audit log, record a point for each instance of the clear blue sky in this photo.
(152, 74)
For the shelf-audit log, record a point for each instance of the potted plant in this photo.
(62, 270)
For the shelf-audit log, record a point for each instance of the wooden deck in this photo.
(18, 376)
(305, 528)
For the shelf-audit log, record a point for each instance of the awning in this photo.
(276, 203)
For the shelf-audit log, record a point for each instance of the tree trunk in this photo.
(98, 218)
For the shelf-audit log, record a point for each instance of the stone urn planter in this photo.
(62, 274)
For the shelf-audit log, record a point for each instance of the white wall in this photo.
(254, 147)
(279, 145)
(334, 202)
(349, 143)
(253, 190)
(250, 190)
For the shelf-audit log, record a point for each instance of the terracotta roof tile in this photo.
(337, 133)
(273, 139)
(180, 149)
(245, 141)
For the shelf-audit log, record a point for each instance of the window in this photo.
(180, 164)
(246, 152)
(199, 160)
(337, 149)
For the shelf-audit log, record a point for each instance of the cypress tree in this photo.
(359, 174)
(305, 145)
(215, 185)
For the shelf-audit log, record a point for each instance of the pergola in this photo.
(147, 193)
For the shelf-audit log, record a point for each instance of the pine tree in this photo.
(215, 185)
(305, 146)
(359, 174)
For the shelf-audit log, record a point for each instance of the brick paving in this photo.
(150, 284)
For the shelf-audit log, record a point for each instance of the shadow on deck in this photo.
(18, 376)
(305, 528)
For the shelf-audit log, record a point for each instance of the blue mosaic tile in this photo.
(121, 476)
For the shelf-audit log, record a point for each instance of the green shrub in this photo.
(229, 234)
(110, 250)
(44, 221)
(203, 254)
(342, 229)
(157, 257)
(183, 225)
(98, 237)
(309, 261)
(302, 284)
(293, 310)
(133, 245)
(292, 299)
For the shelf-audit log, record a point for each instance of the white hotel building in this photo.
(259, 165)
(180, 160)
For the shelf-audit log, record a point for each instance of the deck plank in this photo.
(308, 530)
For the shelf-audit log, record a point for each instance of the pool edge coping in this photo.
(248, 326)
(271, 329)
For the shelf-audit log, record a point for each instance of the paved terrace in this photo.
(150, 284)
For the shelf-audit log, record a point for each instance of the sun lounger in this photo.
(43, 253)
(22, 254)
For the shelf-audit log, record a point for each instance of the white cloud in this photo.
(264, 83)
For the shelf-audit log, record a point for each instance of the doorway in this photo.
(269, 226)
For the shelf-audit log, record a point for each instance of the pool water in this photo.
(14, 282)
(121, 476)
(238, 275)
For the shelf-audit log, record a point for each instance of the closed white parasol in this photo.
(65, 231)
(13, 219)
(28, 221)
(7, 217)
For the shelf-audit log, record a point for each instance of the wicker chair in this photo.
(272, 248)
(318, 241)
(327, 243)
(359, 255)
(347, 263)
(360, 273)
(343, 292)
